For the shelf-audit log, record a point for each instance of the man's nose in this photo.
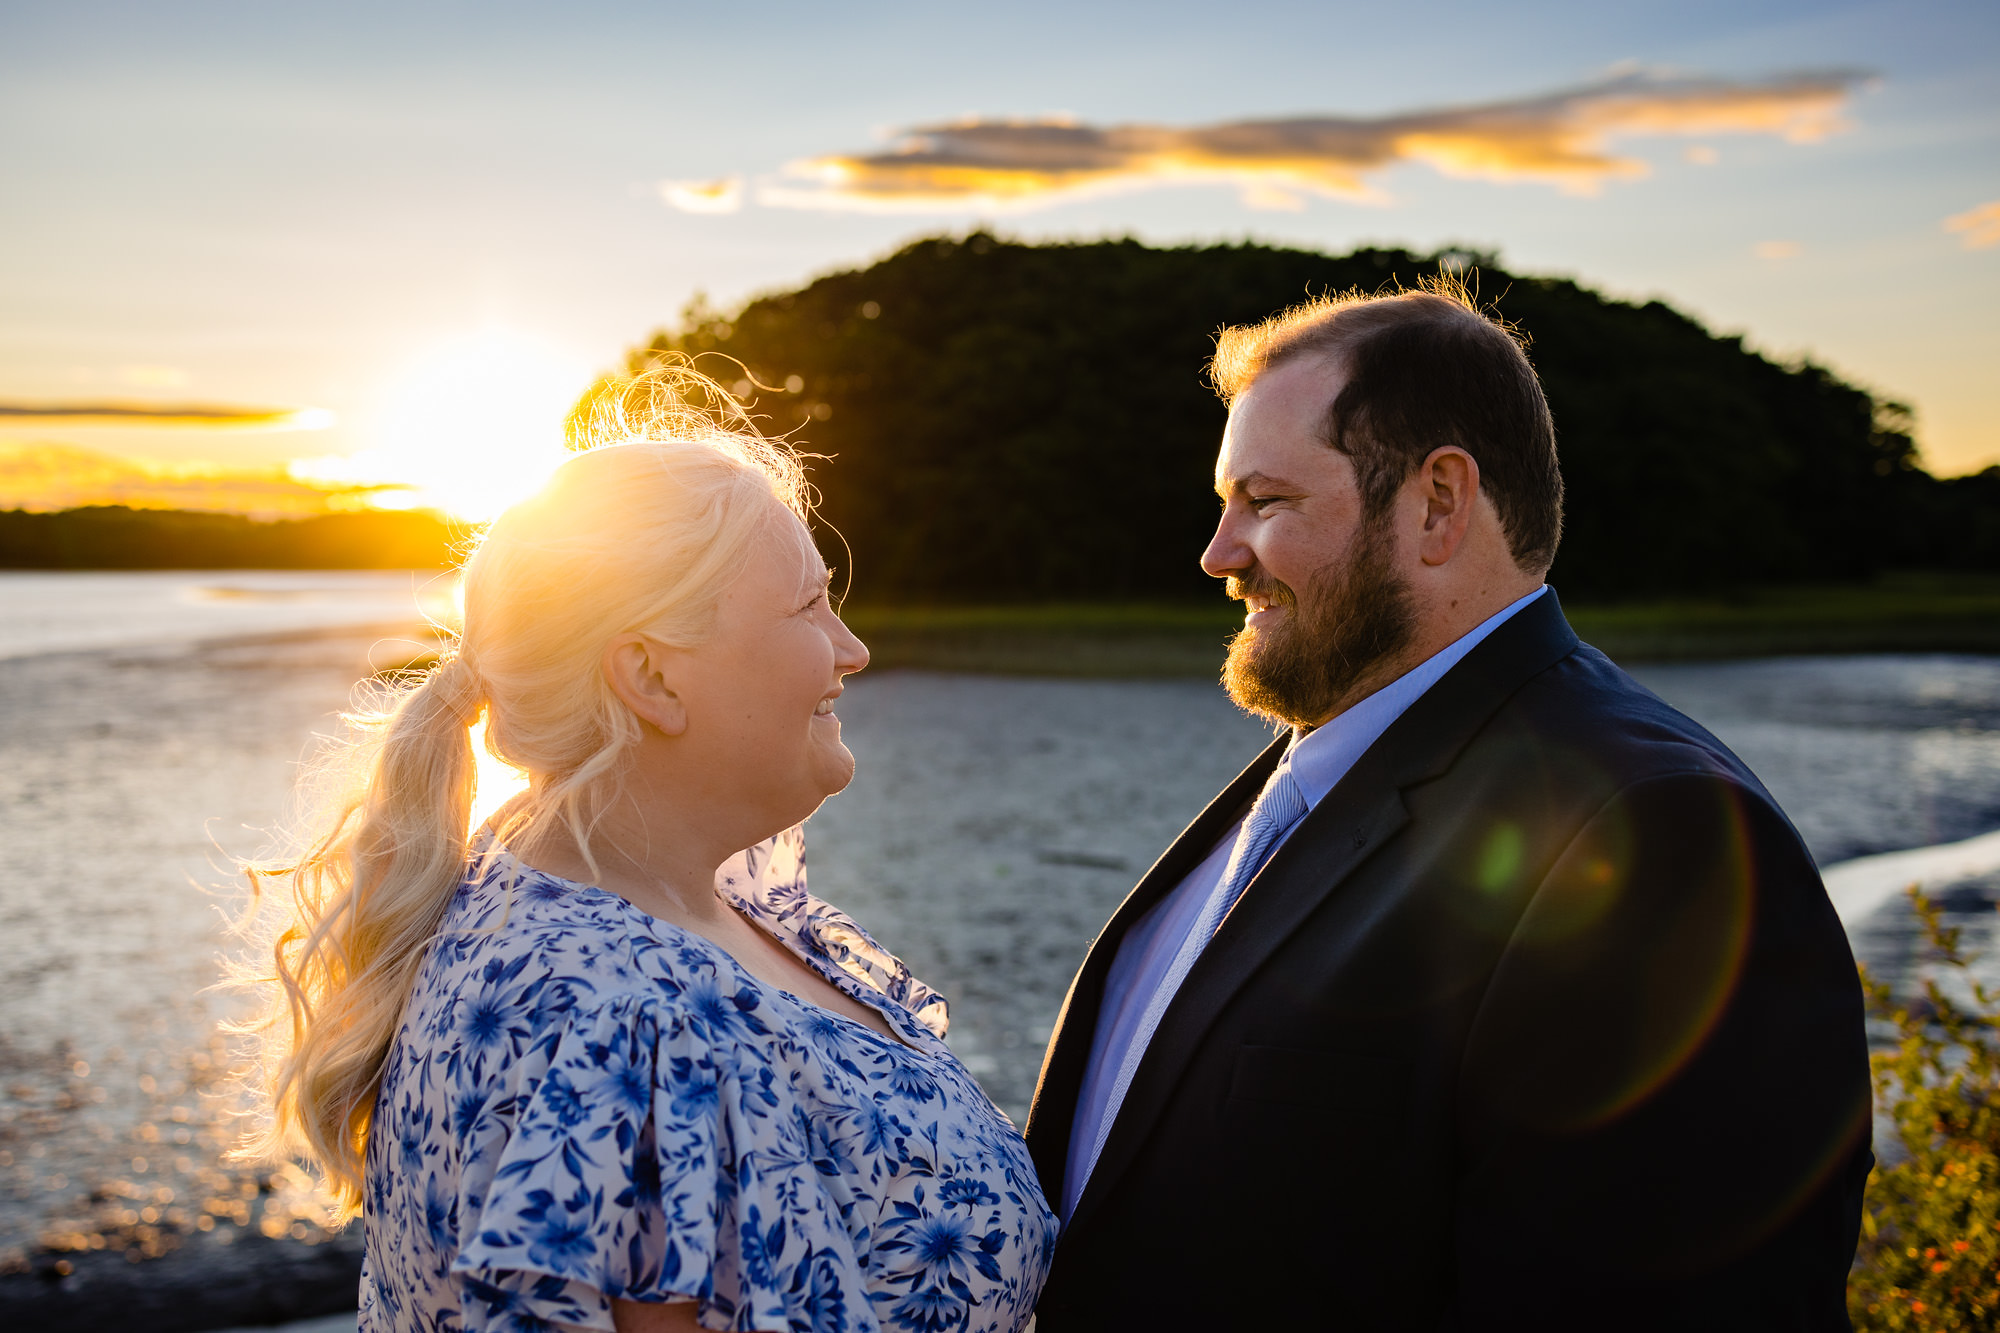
(1226, 553)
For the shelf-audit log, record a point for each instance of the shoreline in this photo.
(1899, 613)
(234, 1278)
(1902, 614)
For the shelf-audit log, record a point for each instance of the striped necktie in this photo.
(1279, 806)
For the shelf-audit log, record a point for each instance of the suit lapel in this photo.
(1363, 811)
(1054, 1107)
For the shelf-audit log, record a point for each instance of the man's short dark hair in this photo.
(1424, 369)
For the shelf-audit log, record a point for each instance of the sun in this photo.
(499, 781)
(469, 427)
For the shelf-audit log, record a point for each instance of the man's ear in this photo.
(1448, 484)
(643, 673)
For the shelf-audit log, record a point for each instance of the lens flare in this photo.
(1654, 927)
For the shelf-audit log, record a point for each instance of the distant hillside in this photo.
(1014, 421)
(114, 537)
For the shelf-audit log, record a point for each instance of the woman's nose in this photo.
(849, 653)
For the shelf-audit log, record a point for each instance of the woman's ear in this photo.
(643, 673)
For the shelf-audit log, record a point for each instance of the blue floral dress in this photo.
(585, 1103)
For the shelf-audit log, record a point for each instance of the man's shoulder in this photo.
(1586, 705)
(1582, 740)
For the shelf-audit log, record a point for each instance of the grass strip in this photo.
(1901, 613)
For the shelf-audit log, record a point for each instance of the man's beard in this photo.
(1356, 612)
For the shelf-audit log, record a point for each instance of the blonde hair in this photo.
(641, 531)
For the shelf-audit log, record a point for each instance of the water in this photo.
(1867, 754)
(76, 612)
(993, 826)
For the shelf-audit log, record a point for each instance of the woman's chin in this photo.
(829, 768)
(839, 772)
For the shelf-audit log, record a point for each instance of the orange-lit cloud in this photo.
(1981, 225)
(716, 196)
(61, 476)
(208, 416)
(1777, 249)
(1561, 139)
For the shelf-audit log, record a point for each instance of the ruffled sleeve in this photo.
(769, 882)
(656, 1155)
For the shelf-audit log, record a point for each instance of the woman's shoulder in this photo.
(517, 947)
(520, 941)
(506, 912)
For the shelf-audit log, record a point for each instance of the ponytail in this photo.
(367, 895)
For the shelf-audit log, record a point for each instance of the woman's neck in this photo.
(646, 852)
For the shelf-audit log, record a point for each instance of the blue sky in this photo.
(264, 205)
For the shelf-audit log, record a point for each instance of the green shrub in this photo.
(1929, 1244)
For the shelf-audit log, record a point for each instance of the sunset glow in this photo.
(469, 427)
(498, 783)
(318, 253)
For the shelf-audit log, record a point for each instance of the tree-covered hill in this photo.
(115, 537)
(1011, 421)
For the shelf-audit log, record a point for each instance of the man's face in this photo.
(1323, 601)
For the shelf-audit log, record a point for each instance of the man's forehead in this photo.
(1285, 406)
(1268, 448)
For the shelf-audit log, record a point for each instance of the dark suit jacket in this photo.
(1540, 1020)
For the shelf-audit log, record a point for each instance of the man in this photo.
(1495, 995)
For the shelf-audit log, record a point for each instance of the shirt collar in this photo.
(1321, 757)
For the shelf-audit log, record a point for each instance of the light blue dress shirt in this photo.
(1319, 759)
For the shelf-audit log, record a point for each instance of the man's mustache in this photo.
(1256, 583)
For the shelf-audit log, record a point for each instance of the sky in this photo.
(245, 244)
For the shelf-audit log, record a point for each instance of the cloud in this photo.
(1777, 249)
(1981, 225)
(210, 416)
(154, 377)
(716, 196)
(48, 477)
(1561, 139)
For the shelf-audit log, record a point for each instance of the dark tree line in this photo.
(1012, 421)
(114, 537)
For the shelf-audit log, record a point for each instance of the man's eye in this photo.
(1259, 501)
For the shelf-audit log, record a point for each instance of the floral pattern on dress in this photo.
(586, 1103)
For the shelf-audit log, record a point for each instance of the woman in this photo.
(598, 1066)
